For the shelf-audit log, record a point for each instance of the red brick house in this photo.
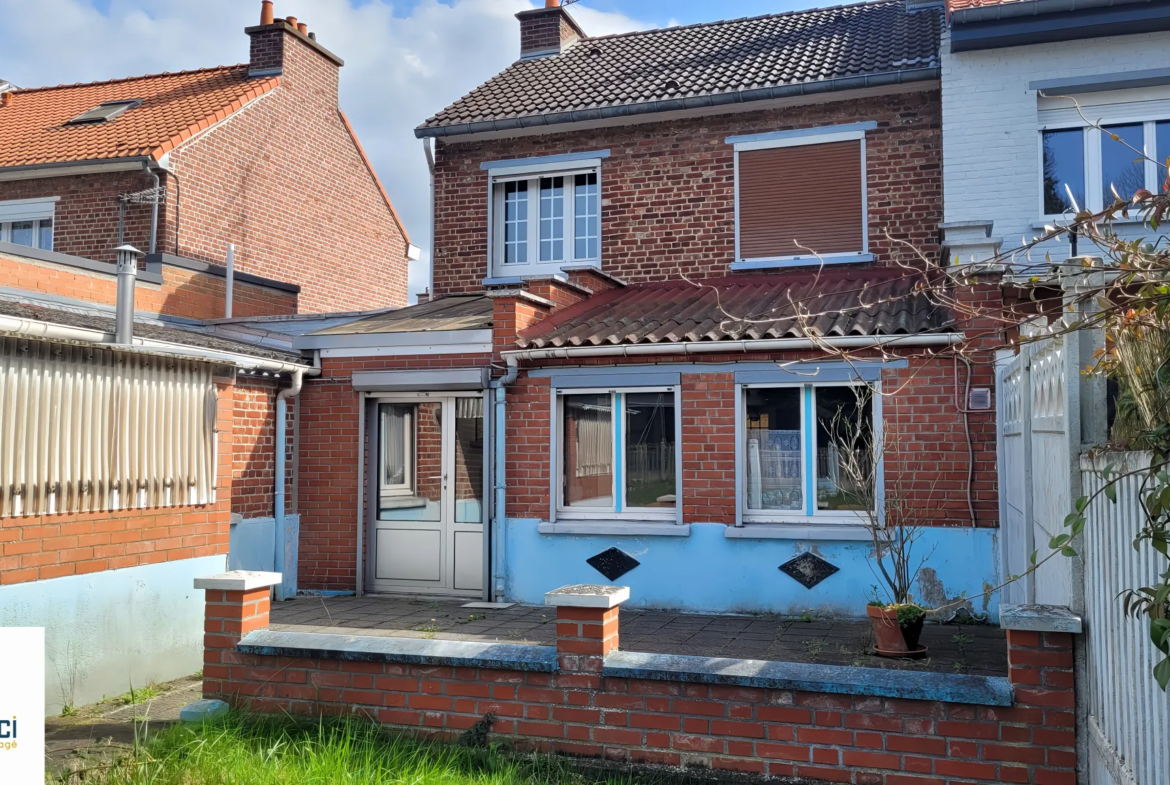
(650, 251)
(142, 431)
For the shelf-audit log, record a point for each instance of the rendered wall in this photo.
(108, 631)
(707, 572)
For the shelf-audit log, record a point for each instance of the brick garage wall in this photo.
(284, 181)
(668, 187)
(329, 460)
(254, 454)
(183, 292)
(857, 739)
(930, 464)
(41, 547)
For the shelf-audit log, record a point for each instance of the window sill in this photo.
(617, 528)
(785, 531)
(801, 261)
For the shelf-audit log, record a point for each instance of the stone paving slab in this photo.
(967, 649)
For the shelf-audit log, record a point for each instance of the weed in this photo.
(808, 616)
(431, 628)
(140, 695)
(961, 640)
(68, 710)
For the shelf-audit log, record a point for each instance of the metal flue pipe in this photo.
(127, 275)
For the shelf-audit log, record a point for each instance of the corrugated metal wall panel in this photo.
(809, 194)
(84, 429)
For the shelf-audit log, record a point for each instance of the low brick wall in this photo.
(825, 723)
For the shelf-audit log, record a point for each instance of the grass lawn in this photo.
(265, 751)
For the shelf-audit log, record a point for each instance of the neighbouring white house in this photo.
(1021, 81)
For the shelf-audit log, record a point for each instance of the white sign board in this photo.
(22, 705)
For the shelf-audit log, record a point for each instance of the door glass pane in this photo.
(552, 219)
(1064, 170)
(588, 451)
(587, 212)
(469, 460)
(1122, 167)
(410, 462)
(45, 242)
(649, 471)
(516, 222)
(22, 233)
(773, 443)
(844, 448)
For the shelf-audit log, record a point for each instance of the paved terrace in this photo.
(968, 649)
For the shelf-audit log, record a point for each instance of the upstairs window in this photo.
(545, 217)
(801, 197)
(28, 222)
(1082, 167)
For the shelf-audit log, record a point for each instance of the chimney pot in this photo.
(124, 314)
(292, 20)
(302, 28)
(552, 3)
(266, 12)
(313, 36)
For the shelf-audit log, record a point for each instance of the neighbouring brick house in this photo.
(628, 237)
(128, 465)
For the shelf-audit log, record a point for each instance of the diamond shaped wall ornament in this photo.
(808, 569)
(613, 563)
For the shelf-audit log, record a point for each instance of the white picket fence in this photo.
(1041, 397)
(1128, 715)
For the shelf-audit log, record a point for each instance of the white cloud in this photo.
(399, 69)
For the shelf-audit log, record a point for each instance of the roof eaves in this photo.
(1014, 9)
(259, 89)
(377, 180)
(836, 84)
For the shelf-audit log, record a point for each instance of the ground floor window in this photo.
(807, 450)
(617, 453)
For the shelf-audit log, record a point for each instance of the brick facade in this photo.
(41, 547)
(667, 188)
(577, 710)
(254, 454)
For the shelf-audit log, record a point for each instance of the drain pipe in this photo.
(229, 280)
(127, 276)
(285, 588)
(499, 536)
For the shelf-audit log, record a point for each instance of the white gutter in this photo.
(48, 331)
(513, 357)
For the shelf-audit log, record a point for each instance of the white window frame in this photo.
(21, 210)
(811, 515)
(533, 172)
(1091, 143)
(800, 138)
(559, 512)
(410, 437)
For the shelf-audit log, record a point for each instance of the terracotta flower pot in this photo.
(887, 633)
(891, 639)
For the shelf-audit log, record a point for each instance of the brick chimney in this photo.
(273, 41)
(547, 31)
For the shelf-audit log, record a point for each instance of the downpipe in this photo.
(500, 485)
(286, 588)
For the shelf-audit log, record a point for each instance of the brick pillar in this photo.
(587, 625)
(1041, 666)
(237, 603)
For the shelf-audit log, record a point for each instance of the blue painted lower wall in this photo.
(707, 572)
(108, 630)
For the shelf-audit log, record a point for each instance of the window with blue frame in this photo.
(807, 451)
(618, 453)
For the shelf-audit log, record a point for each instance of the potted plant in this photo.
(894, 523)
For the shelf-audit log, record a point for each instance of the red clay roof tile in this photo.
(34, 123)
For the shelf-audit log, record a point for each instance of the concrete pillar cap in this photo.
(587, 596)
(238, 580)
(1039, 618)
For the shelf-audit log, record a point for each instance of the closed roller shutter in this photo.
(84, 429)
(809, 194)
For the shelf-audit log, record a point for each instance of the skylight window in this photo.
(105, 112)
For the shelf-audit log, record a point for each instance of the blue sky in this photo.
(405, 59)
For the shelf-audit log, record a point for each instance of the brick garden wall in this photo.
(668, 187)
(39, 547)
(577, 710)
